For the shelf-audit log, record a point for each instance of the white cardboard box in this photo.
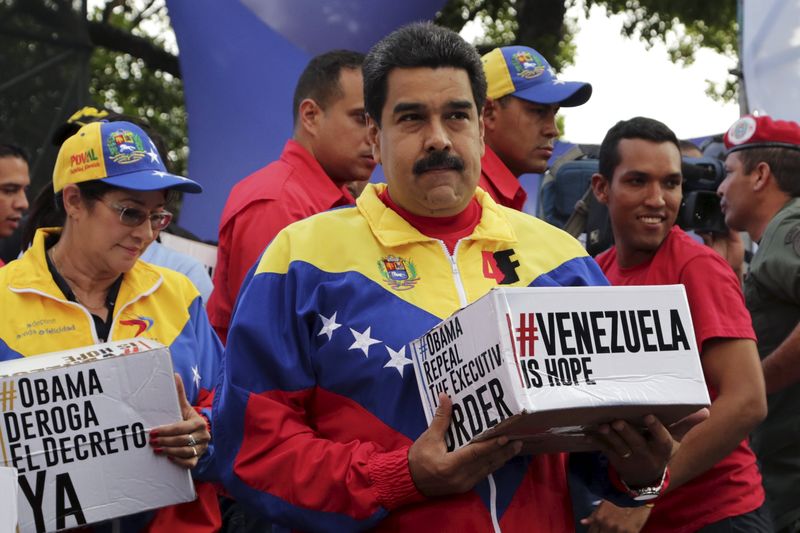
(75, 424)
(548, 364)
(8, 500)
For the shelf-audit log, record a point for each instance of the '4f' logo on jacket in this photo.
(500, 267)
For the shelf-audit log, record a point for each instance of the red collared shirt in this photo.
(500, 183)
(287, 190)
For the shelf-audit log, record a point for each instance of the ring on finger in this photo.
(194, 451)
(192, 442)
(627, 454)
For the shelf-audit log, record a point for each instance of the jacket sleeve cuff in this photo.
(392, 479)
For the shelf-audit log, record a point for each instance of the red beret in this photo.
(762, 132)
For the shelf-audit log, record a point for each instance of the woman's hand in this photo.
(183, 442)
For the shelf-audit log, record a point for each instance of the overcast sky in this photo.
(629, 80)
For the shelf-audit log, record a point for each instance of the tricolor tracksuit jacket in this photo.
(318, 404)
(153, 302)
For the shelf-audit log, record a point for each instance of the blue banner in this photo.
(240, 61)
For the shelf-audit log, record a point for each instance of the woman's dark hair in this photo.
(47, 209)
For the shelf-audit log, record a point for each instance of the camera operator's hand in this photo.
(730, 247)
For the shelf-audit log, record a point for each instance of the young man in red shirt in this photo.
(14, 180)
(523, 97)
(328, 150)
(715, 484)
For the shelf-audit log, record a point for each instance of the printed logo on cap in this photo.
(742, 130)
(526, 65)
(124, 147)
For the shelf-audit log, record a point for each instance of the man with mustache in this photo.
(716, 485)
(321, 426)
(761, 195)
(523, 98)
(328, 150)
(14, 181)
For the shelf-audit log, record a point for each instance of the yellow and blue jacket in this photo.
(318, 402)
(153, 302)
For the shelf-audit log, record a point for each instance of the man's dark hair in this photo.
(783, 162)
(636, 128)
(8, 149)
(421, 44)
(320, 79)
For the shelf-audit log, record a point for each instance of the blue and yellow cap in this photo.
(523, 72)
(118, 153)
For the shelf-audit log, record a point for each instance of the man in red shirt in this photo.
(523, 97)
(715, 480)
(328, 149)
(14, 180)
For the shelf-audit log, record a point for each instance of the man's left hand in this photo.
(608, 518)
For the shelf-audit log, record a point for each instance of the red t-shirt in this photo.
(500, 183)
(447, 229)
(287, 190)
(732, 486)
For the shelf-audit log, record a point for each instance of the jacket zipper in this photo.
(493, 504)
(462, 297)
(462, 294)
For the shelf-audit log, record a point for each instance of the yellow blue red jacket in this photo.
(153, 302)
(318, 403)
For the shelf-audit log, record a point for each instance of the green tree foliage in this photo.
(683, 26)
(138, 78)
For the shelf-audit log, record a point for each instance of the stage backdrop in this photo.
(240, 61)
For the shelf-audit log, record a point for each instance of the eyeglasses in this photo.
(133, 217)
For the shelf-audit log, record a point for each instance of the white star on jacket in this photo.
(363, 341)
(196, 376)
(398, 360)
(328, 326)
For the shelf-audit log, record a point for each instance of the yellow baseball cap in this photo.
(523, 72)
(117, 153)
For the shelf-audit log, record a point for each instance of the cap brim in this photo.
(153, 180)
(565, 94)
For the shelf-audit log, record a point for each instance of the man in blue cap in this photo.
(523, 97)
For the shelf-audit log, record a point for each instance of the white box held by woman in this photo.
(75, 425)
(548, 364)
(8, 502)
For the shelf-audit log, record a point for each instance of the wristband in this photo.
(643, 494)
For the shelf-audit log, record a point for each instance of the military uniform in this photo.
(772, 294)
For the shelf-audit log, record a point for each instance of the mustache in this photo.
(438, 160)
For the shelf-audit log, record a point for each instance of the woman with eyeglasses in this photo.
(110, 189)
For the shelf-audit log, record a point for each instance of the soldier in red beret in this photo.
(761, 195)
